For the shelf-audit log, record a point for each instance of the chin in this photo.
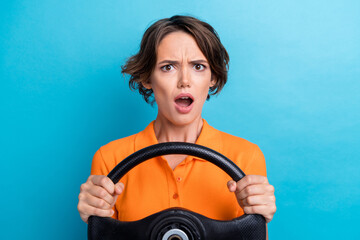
(184, 119)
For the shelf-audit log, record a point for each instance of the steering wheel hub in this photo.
(176, 224)
(175, 234)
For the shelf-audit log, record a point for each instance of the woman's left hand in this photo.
(255, 195)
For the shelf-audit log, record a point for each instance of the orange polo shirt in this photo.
(194, 184)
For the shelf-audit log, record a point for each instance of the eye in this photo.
(199, 67)
(167, 68)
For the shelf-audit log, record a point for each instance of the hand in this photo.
(255, 195)
(98, 196)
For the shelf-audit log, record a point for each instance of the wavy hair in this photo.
(141, 65)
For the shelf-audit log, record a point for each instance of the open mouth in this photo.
(184, 101)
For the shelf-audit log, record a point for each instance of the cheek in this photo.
(205, 84)
(161, 93)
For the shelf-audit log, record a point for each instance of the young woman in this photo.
(181, 62)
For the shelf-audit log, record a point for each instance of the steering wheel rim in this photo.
(167, 148)
(251, 222)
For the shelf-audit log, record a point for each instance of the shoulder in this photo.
(119, 148)
(109, 155)
(245, 154)
(234, 142)
(225, 143)
(112, 153)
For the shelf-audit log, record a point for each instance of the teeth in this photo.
(184, 97)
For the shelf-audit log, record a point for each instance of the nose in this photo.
(184, 78)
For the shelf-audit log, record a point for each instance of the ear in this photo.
(213, 81)
(147, 84)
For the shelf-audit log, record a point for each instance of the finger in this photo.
(101, 193)
(257, 200)
(119, 188)
(115, 198)
(103, 181)
(96, 202)
(250, 180)
(87, 210)
(231, 185)
(257, 189)
(258, 209)
(266, 211)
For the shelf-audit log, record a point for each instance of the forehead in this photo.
(177, 45)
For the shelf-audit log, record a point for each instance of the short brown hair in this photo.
(141, 65)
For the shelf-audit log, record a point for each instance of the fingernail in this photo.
(112, 212)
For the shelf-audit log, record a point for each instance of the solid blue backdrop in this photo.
(293, 89)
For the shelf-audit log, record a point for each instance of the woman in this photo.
(181, 62)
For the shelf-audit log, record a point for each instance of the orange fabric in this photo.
(194, 184)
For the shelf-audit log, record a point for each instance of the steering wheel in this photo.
(177, 223)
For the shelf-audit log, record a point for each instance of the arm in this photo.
(255, 196)
(98, 194)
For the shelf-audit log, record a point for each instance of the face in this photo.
(181, 79)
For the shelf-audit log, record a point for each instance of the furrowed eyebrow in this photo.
(169, 62)
(199, 61)
(177, 62)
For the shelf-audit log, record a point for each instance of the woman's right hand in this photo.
(98, 196)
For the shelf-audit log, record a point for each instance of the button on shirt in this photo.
(194, 184)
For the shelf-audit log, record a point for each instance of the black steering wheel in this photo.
(177, 223)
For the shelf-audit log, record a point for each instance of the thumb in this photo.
(231, 185)
(119, 188)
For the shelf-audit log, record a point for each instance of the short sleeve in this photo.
(98, 166)
(256, 164)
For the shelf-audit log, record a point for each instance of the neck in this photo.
(167, 131)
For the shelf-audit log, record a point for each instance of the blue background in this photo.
(293, 89)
